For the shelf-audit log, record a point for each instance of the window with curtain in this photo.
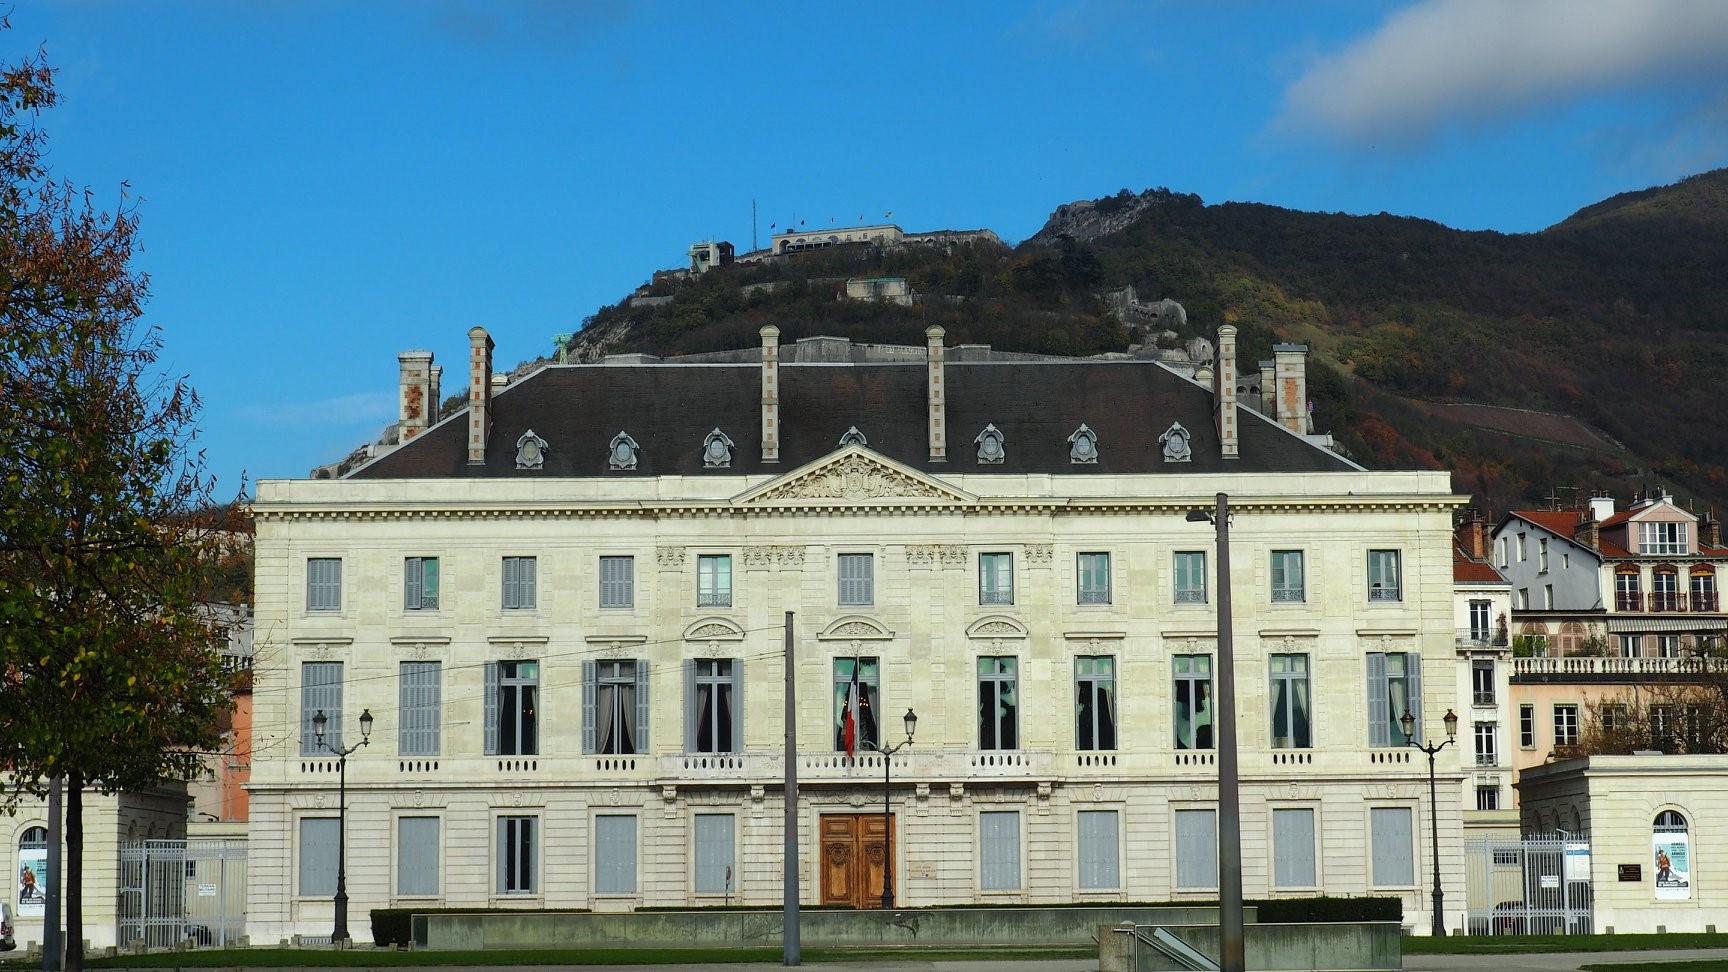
(1292, 713)
(1093, 570)
(715, 714)
(615, 707)
(1190, 577)
(1095, 702)
(1288, 583)
(1193, 701)
(517, 853)
(714, 580)
(512, 708)
(996, 578)
(998, 703)
(1385, 581)
(1394, 688)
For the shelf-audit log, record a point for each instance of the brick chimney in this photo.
(1224, 388)
(937, 396)
(479, 394)
(1588, 532)
(770, 393)
(1290, 374)
(1473, 535)
(1709, 529)
(416, 401)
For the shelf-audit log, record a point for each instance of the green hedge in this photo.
(1325, 909)
(395, 926)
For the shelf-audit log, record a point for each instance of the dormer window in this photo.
(530, 451)
(989, 443)
(1083, 445)
(853, 437)
(623, 452)
(1175, 443)
(1662, 538)
(717, 451)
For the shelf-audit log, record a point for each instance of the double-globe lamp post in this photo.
(319, 721)
(888, 752)
(1408, 722)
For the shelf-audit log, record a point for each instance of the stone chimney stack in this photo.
(1224, 387)
(435, 401)
(937, 396)
(416, 401)
(770, 393)
(1475, 535)
(479, 394)
(1709, 529)
(1268, 389)
(1588, 532)
(1601, 507)
(1290, 374)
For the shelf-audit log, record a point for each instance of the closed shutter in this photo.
(999, 851)
(617, 582)
(413, 581)
(1098, 854)
(1196, 848)
(1413, 672)
(692, 707)
(1379, 706)
(320, 690)
(614, 854)
(318, 836)
(419, 701)
(491, 704)
(1293, 848)
(737, 705)
(417, 856)
(324, 584)
(641, 705)
(590, 705)
(1394, 862)
(856, 581)
(504, 850)
(714, 838)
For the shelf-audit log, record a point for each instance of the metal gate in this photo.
(174, 891)
(1538, 884)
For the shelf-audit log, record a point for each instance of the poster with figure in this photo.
(1673, 867)
(32, 881)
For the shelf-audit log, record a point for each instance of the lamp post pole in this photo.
(339, 933)
(1408, 722)
(1232, 951)
(888, 752)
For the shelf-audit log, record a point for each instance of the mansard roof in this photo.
(670, 408)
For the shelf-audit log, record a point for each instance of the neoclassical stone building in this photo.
(565, 608)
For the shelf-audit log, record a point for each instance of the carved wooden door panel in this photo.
(851, 859)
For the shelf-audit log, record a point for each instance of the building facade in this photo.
(575, 612)
(1482, 604)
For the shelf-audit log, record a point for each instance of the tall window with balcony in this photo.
(857, 576)
(1703, 588)
(1481, 630)
(1292, 715)
(714, 711)
(1662, 538)
(1385, 581)
(1190, 577)
(1394, 688)
(1093, 570)
(1193, 708)
(512, 708)
(1627, 593)
(615, 707)
(856, 675)
(320, 691)
(1665, 588)
(419, 714)
(998, 703)
(1486, 752)
(714, 580)
(1288, 583)
(1482, 682)
(995, 578)
(420, 584)
(1095, 702)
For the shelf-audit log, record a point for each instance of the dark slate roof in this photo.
(670, 408)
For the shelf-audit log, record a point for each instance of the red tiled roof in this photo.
(1468, 571)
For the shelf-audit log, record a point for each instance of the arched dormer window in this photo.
(853, 437)
(990, 446)
(1083, 445)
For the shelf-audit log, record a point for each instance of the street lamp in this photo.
(1232, 951)
(1408, 722)
(911, 720)
(319, 721)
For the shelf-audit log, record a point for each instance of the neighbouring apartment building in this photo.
(1482, 601)
(566, 610)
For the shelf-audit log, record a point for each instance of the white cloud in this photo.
(1443, 62)
(368, 408)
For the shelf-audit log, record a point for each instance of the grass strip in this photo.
(1703, 965)
(263, 958)
(1521, 944)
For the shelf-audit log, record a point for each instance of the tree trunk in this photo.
(73, 946)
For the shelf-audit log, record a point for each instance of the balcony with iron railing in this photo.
(1613, 666)
(1669, 602)
(1482, 638)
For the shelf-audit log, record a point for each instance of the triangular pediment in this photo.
(854, 475)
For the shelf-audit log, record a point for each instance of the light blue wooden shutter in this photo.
(1393, 854)
(1196, 848)
(1097, 840)
(320, 690)
(641, 705)
(506, 853)
(999, 850)
(1379, 706)
(413, 581)
(692, 707)
(417, 856)
(614, 854)
(324, 584)
(590, 705)
(737, 705)
(714, 841)
(1293, 848)
(1413, 673)
(318, 837)
(491, 705)
(617, 582)
(419, 718)
(856, 581)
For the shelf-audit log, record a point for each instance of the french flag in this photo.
(851, 733)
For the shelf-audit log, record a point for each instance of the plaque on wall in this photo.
(1632, 872)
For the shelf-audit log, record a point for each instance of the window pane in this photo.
(1193, 701)
(615, 854)
(999, 850)
(1393, 852)
(998, 704)
(1095, 702)
(1293, 848)
(1196, 848)
(1191, 577)
(714, 836)
(1287, 579)
(318, 856)
(865, 705)
(714, 581)
(1291, 709)
(1097, 839)
(1094, 574)
(996, 578)
(417, 856)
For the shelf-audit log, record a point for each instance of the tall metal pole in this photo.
(339, 934)
(1434, 841)
(1232, 952)
(887, 834)
(789, 932)
(52, 958)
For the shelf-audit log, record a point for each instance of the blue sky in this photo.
(325, 184)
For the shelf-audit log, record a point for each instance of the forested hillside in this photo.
(1615, 318)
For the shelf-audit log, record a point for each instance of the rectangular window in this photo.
(714, 711)
(998, 703)
(417, 857)
(324, 584)
(856, 688)
(419, 698)
(714, 580)
(1527, 726)
(617, 582)
(320, 691)
(1500, 546)
(1292, 713)
(1542, 554)
(1288, 584)
(1193, 708)
(1384, 580)
(1482, 681)
(1548, 596)
(1095, 702)
(1613, 717)
(318, 837)
(999, 850)
(1098, 838)
(1191, 577)
(615, 854)
(420, 584)
(1481, 627)
(512, 708)
(517, 848)
(1566, 724)
(615, 707)
(1394, 688)
(1662, 538)
(1293, 848)
(1627, 595)
(1394, 853)
(1631, 646)
(1523, 553)
(1487, 752)
(1668, 646)
(1196, 848)
(995, 578)
(714, 843)
(1524, 598)
(1703, 590)
(857, 580)
(520, 584)
(1487, 796)
(1093, 570)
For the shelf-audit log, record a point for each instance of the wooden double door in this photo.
(854, 852)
